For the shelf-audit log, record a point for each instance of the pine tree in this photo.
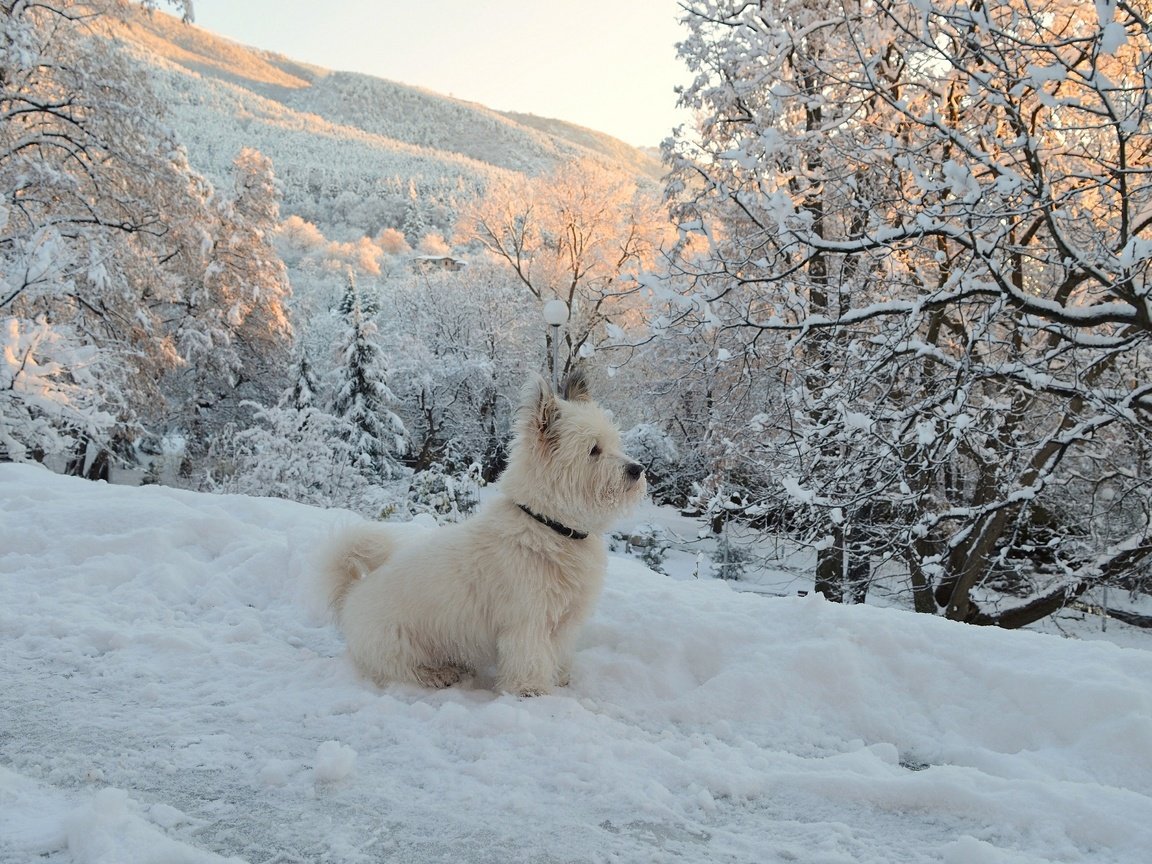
(364, 400)
(414, 225)
(351, 296)
(304, 386)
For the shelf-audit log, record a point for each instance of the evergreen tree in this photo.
(351, 296)
(365, 401)
(304, 386)
(414, 225)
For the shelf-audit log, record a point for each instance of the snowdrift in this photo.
(172, 692)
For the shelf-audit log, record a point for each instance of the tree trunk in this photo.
(922, 598)
(859, 565)
(830, 568)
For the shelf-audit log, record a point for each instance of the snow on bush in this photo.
(301, 454)
(650, 543)
(446, 497)
(657, 452)
(49, 390)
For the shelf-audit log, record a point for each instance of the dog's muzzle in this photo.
(634, 470)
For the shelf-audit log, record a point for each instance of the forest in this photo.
(889, 302)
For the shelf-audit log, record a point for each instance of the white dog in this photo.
(513, 583)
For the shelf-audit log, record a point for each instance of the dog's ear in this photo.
(576, 386)
(538, 409)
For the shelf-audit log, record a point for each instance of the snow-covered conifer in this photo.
(301, 454)
(350, 299)
(303, 386)
(363, 399)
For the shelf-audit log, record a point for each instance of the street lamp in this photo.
(555, 314)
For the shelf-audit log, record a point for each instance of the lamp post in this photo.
(555, 314)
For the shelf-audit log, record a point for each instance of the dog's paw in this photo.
(439, 677)
(563, 679)
(529, 692)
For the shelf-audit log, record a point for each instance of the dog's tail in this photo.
(352, 553)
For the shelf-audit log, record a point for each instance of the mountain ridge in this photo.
(185, 55)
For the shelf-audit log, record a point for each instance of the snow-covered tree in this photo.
(414, 225)
(930, 224)
(296, 239)
(434, 244)
(350, 299)
(392, 242)
(101, 226)
(304, 384)
(459, 342)
(581, 234)
(300, 454)
(245, 258)
(49, 391)
(236, 335)
(366, 403)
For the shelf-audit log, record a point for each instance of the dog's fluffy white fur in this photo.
(431, 606)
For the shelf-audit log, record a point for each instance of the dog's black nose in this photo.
(634, 469)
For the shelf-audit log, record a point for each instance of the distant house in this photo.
(427, 263)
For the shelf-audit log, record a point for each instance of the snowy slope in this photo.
(171, 693)
(223, 95)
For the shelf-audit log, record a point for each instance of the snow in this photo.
(1113, 37)
(334, 761)
(796, 491)
(173, 693)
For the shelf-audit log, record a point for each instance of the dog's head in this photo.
(566, 461)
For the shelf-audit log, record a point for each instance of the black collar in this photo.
(559, 528)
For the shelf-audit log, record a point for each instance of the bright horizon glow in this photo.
(604, 64)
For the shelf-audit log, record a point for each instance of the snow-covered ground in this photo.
(171, 692)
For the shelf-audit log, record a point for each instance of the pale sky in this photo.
(610, 65)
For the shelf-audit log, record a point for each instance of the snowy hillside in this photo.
(339, 132)
(172, 693)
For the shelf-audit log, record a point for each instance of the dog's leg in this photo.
(439, 677)
(388, 654)
(563, 645)
(525, 662)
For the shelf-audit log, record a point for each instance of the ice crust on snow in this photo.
(173, 692)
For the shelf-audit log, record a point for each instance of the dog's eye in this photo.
(595, 450)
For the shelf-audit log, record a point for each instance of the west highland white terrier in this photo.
(510, 585)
